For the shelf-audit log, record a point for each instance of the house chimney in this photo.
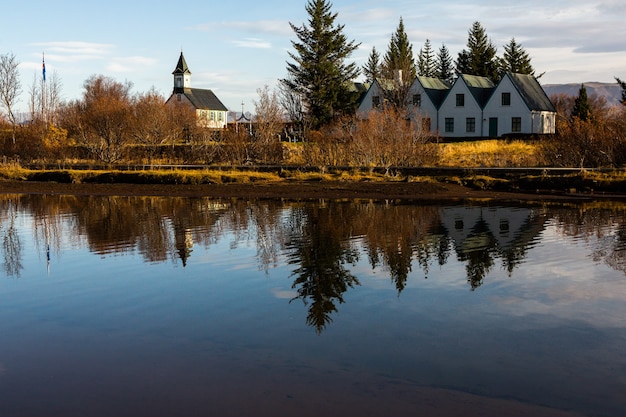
(398, 77)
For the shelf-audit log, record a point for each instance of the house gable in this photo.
(519, 106)
(427, 95)
(461, 112)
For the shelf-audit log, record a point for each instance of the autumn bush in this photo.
(599, 141)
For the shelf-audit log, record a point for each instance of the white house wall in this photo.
(427, 110)
(366, 105)
(471, 109)
(506, 113)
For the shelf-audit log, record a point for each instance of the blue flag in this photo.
(43, 69)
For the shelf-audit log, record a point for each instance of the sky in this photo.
(237, 48)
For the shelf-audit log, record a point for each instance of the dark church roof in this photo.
(181, 66)
(204, 99)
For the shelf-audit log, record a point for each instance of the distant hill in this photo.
(612, 91)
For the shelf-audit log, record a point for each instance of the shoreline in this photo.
(298, 190)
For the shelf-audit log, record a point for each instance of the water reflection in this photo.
(320, 241)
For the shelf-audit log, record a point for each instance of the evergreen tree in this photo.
(582, 108)
(623, 85)
(319, 73)
(371, 69)
(399, 57)
(444, 67)
(480, 56)
(426, 61)
(516, 59)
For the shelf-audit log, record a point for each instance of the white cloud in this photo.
(252, 43)
(274, 27)
(130, 64)
(73, 51)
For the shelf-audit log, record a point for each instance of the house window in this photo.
(417, 100)
(376, 101)
(212, 116)
(506, 99)
(516, 124)
(470, 125)
(449, 125)
(220, 116)
(460, 100)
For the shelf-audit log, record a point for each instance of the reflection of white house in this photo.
(473, 106)
(471, 227)
(210, 112)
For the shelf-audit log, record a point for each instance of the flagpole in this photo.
(43, 87)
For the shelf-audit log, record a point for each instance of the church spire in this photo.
(182, 75)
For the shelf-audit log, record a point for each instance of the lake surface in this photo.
(151, 306)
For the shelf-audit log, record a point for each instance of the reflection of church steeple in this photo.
(184, 243)
(182, 75)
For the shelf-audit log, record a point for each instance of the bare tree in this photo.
(151, 122)
(10, 86)
(268, 126)
(293, 104)
(101, 120)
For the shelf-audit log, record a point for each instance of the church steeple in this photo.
(182, 75)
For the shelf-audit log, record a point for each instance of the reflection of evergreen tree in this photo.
(320, 246)
(11, 243)
(479, 251)
(395, 234)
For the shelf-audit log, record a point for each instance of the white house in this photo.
(427, 95)
(374, 98)
(210, 112)
(473, 106)
(519, 105)
(461, 112)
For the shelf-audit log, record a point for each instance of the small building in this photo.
(427, 95)
(519, 105)
(461, 113)
(374, 97)
(210, 111)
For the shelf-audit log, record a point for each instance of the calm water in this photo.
(141, 306)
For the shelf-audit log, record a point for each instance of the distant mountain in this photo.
(611, 91)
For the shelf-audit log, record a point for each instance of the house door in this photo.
(493, 127)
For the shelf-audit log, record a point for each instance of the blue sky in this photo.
(238, 47)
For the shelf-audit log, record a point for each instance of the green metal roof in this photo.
(480, 87)
(436, 89)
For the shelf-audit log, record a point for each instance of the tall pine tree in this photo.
(399, 57)
(516, 59)
(444, 67)
(371, 69)
(582, 108)
(480, 56)
(319, 72)
(426, 61)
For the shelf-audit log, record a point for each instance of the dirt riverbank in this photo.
(293, 190)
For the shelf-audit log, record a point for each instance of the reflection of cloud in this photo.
(284, 294)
